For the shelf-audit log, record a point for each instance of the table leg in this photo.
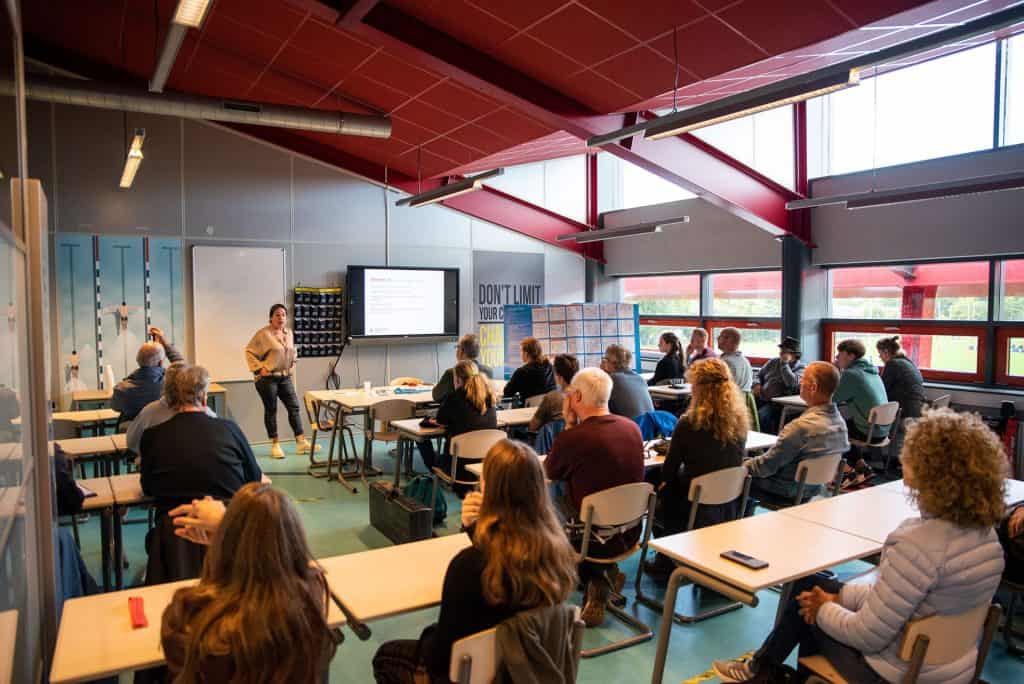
(106, 522)
(665, 631)
(784, 597)
(119, 547)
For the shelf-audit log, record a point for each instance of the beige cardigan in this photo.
(266, 351)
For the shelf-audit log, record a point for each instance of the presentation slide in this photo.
(404, 302)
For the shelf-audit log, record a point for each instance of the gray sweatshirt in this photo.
(778, 379)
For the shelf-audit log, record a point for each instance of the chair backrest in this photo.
(64, 429)
(618, 505)
(392, 409)
(475, 444)
(534, 400)
(405, 380)
(475, 658)
(941, 402)
(949, 636)
(819, 470)
(884, 415)
(719, 487)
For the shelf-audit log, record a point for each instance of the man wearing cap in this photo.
(780, 377)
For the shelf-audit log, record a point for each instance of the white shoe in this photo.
(275, 451)
(733, 670)
(303, 447)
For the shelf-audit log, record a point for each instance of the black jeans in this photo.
(270, 388)
(792, 631)
(396, 662)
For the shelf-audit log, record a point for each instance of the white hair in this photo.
(594, 385)
(150, 354)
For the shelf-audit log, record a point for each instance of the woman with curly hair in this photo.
(710, 436)
(520, 559)
(945, 562)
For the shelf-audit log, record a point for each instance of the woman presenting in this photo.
(270, 355)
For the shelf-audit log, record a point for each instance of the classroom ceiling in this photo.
(599, 56)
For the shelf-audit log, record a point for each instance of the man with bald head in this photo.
(145, 384)
(818, 431)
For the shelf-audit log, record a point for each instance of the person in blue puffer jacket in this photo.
(945, 562)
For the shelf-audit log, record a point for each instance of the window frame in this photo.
(982, 330)
(1003, 335)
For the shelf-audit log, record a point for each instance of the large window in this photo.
(556, 184)
(1013, 111)
(948, 292)
(952, 354)
(756, 294)
(1011, 290)
(759, 342)
(762, 141)
(933, 109)
(622, 185)
(664, 294)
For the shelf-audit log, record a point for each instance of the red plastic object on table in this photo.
(137, 611)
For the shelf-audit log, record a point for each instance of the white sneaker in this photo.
(275, 451)
(303, 447)
(733, 670)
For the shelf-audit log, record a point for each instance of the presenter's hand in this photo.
(157, 334)
(471, 508)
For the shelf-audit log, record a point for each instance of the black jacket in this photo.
(457, 415)
(446, 385)
(531, 379)
(904, 384)
(669, 368)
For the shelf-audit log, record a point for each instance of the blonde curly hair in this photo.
(716, 403)
(957, 468)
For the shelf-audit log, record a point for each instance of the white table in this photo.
(96, 638)
(81, 419)
(696, 554)
(104, 448)
(867, 513)
(792, 401)
(669, 392)
(1014, 493)
(516, 417)
(101, 396)
(393, 580)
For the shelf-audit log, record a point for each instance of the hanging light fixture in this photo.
(471, 184)
(133, 159)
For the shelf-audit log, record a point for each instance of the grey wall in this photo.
(714, 240)
(209, 185)
(970, 225)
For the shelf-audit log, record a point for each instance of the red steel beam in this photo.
(682, 160)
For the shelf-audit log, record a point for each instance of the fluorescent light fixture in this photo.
(690, 120)
(191, 13)
(603, 234)
(134, 159)
(168, 55)
(450, 190)
(916, 193)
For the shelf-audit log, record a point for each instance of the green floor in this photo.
(337, 522)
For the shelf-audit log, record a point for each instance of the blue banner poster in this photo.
(518, 325)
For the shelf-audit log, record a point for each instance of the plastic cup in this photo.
(366, 386)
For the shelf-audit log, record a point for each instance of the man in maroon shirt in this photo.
(596, 451)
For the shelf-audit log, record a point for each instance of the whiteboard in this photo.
(233, 289)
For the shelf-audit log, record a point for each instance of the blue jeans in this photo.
(792, 631)
(272, 388)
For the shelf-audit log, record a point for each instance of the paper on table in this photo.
(557, 330)
(540, 313)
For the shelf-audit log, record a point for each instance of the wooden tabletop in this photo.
(516, 417)
(127, 489)
(104, 494)
(88, 446)
(411, 428)
(8, 638)
(81, 417)
(393, 580)
(669, 392)
(87, 395)
(357, 399)
(813, 547)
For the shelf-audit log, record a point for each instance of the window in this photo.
(762, 141)
(753, 295)
(622, 185)
(559, 185)
(664, 294)
(947, 292)
(1011, 290)
(652, 328)
(933, 109)
(1013, 112)
(947, 353)
(1010, 361)
(759, 343)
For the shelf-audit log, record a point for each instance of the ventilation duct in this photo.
(85, 93)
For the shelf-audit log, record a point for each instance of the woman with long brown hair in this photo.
(710, 436)
(259, 612)
(520, 559)
(470, 407)
(535, 376)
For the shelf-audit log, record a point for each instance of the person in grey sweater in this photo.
(630, 395)
(780, 377)
(948, 561)
(818, 431)
(466, 349)
(146, 382)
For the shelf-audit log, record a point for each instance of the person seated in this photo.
(156, 412)
(710, 436)
(1011, 536)
(780, 377)
(144, 385)
(550, 407)
(698, 349)
(945, 562)
(902, 379)
(259, 611)
(818, 431)
(860, 390)
(470, 407)
(535, 376)
(519, 560)
(467, 349)
(188, 457)
(630, 396)
(742, 374)
(596, 451)
(671, 365)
